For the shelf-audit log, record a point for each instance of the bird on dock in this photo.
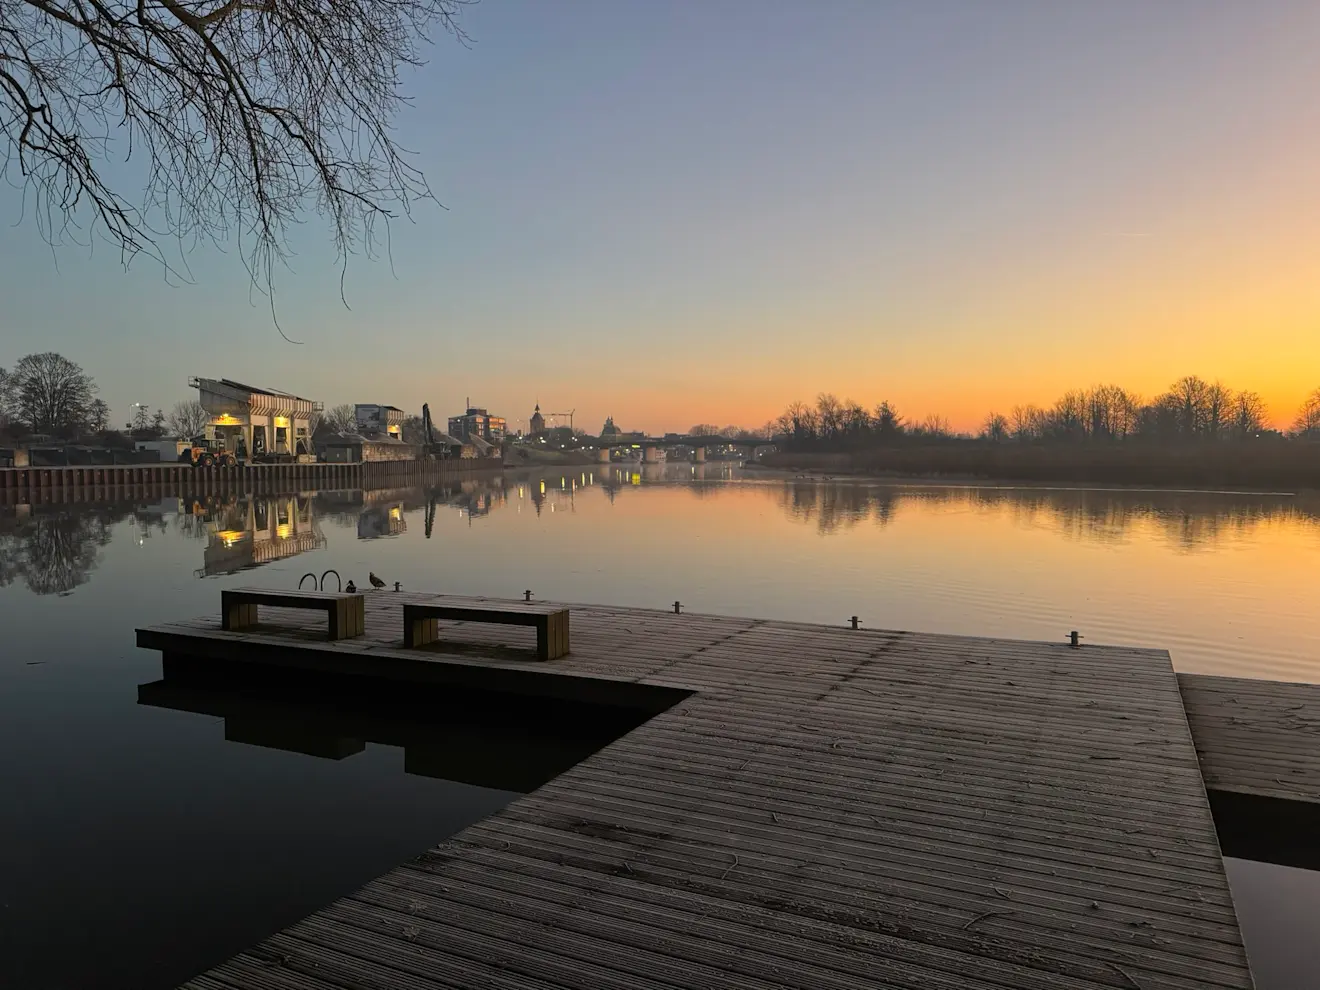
(376, 582)
(351, 588)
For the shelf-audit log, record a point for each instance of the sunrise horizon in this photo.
(673, 217)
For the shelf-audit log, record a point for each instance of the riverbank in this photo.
(87, 483)
(1259, 467)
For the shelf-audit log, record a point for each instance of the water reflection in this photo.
(247, 532)
(468, 737)
(287, 833)
(1186, 520)
(54, 549)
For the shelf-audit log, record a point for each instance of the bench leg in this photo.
(235, 617)
(419, 632)
(558, 636)
(347, 618)
(552, 637)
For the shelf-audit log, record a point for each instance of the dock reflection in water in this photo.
(479, 738)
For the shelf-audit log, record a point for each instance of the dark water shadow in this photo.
(296, 800)
(1267, 830)
(484, 738)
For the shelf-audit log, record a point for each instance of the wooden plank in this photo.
(481, 613)
(810, 807)
(1255, 737)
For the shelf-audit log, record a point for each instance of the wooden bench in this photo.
(420, 626)
(238, 608)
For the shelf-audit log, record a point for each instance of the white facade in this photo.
(254, 421)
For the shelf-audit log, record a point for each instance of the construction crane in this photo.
(435, 447)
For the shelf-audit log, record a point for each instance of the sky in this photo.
(681, 212)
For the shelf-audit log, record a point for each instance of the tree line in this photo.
(47, 394)
(1190, 410)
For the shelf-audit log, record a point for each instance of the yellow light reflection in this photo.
(230, 536)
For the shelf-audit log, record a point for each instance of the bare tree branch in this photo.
(1307, 423)
(247, 113)
(188, 419)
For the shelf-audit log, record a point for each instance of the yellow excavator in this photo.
(204, 452)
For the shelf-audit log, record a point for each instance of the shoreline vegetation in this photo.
(1260, 466)
(1197, 434)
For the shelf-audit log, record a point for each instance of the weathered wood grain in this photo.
(812, 807)
(1255, 737)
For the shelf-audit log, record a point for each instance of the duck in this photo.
(351, 588)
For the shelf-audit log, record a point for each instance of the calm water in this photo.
(138, 836)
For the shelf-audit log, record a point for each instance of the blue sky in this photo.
(674, 212)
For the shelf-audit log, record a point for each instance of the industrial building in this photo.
(379, 422)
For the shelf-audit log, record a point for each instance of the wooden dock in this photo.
(1256, 737)
(813, 807)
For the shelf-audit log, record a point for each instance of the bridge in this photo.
(650, 445)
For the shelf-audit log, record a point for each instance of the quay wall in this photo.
(97, 482)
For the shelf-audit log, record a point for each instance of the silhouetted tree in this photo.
(995, 427)
(188, 419)
(1191, 409)
(1217, 415)
(703, 430)
(1190, 397)
(139, 424)
(797, 424)
(1027, 422)
(245, 114)
(1247, 414)
(934, 425)
(51, 394)
(6, 397)
(1307, 423)
(854, 421)
(98, 416)
(829, 415)
(1070, 417)
(1161, 419)
(158, 422)
(886, 422)
(341, 419)
(1111, 412)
